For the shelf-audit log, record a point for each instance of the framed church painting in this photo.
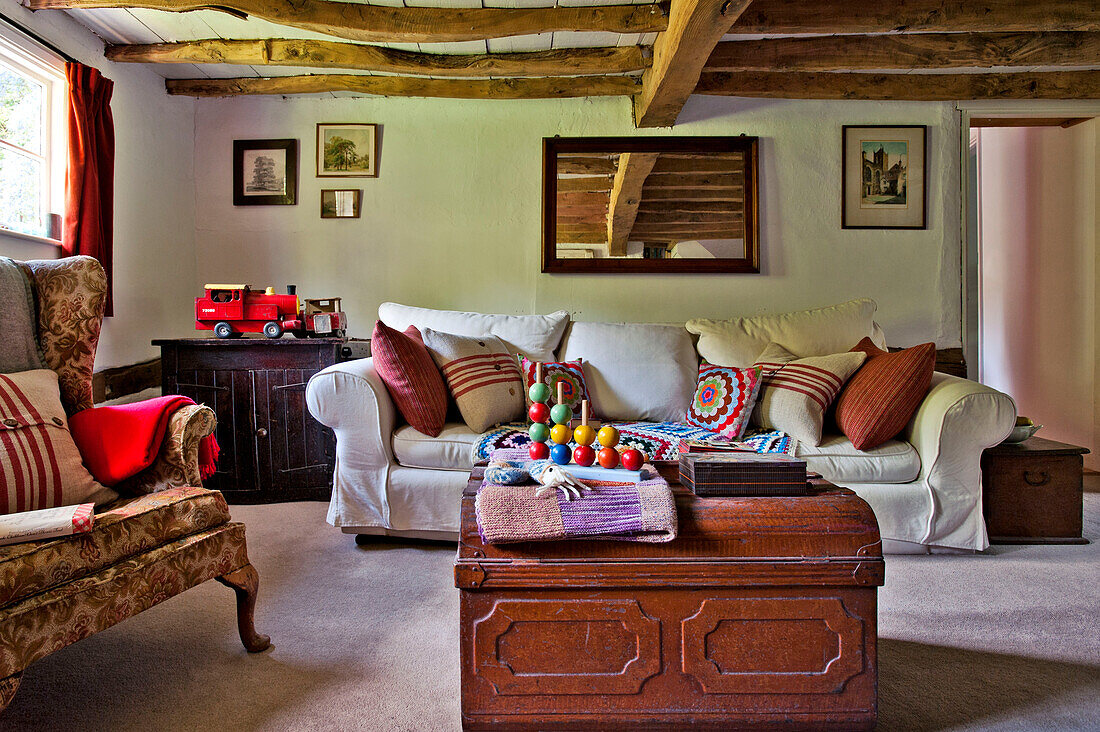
(884, 177)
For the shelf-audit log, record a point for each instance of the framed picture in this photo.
(265, 172)
(884, 174)
(347, 151)
(340, 203)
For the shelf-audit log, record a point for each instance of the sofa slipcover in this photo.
(838, 461)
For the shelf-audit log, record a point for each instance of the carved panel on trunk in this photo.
(528, 647)
(772, 645)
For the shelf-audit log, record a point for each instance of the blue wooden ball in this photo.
(561, 413)
(561, 454)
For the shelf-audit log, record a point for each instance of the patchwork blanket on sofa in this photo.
(658, 440)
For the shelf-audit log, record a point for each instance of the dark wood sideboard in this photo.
(271, 448)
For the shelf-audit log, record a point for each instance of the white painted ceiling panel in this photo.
(115, 25)
(517, 44)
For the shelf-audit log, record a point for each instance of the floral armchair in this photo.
(167, 536)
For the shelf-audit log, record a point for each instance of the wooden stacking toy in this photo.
(608, 438)
(539, 412)
(560, 433)
(584, 436)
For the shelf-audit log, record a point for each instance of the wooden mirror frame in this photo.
(553, 146)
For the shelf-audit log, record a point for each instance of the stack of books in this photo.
(743, 474)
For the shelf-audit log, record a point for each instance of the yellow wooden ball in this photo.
(584, 435)
(608, 436)
(560, 433)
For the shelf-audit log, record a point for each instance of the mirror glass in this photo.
(650, 204)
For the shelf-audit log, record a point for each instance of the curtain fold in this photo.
(88, 226)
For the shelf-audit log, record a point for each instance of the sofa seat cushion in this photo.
(453, 449)
(894, 461)
(122, 529)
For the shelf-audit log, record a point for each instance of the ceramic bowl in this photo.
(1022, 432)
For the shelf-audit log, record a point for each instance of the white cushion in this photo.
(635, 371)
(534, 336)
(817, 332)
(838, 461)
(452, 450)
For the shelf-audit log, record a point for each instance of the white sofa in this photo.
(925, 487)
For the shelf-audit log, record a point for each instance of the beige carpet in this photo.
(365, 639)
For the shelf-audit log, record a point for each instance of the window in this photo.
(32, 135)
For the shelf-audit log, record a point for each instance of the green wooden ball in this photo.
(539, 432)
(561, 414)
(539, 393)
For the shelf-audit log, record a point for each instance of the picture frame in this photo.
(265, 172)
(341, 203)
(347, 150)
(884, 177)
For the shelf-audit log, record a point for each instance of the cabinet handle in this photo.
(262, 432)
(1042, 478)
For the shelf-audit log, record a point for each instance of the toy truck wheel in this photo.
(272, 329)
(223, 330)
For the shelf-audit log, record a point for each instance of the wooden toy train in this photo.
(233, 310)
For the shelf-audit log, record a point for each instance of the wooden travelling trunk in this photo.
(763, 612)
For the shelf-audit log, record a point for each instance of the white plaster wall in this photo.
(154, 263)
(453, 221)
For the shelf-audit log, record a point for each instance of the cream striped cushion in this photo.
(482, 376)
(798, 391)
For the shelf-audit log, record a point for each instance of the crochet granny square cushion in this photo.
(724, 398)
(571, 376)
(482, 376)
(798, 391)
(411, 377)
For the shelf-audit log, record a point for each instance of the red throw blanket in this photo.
(118, 442)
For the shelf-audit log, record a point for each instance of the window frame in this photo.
(27, 57)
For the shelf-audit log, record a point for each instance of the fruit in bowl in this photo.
(1024, 429)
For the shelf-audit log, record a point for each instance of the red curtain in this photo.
(90, 180)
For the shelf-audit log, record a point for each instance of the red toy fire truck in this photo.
(233, 310)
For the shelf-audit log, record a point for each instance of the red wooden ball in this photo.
(584, 455)
(539, 412)
(632, 459)
(608, 457)
(539, 450)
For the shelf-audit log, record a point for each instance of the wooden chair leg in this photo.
(8, 687)
(245, 582)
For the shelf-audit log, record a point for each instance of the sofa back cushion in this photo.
(635, 371)
(533, 336)
(817, 332)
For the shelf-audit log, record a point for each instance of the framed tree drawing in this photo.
(347, 150)
(884, 177)
(265, 172)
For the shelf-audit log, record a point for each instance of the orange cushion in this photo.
(881, 398)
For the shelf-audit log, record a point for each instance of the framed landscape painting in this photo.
(883, 179)
(347, 150)
(265, 172)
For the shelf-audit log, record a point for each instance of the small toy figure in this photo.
(539, 432)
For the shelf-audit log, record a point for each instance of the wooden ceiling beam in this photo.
(582, 235)
(908, 51)
(685, 207)
(586, 166)
(626, 193)
(648, 217)
(842, 16)
(912, 87)
(408, 86)
(587, 184)
(339, 55)
(377, 23)
(694, 28)
(666, 165)
(681, 194)
(713, 180)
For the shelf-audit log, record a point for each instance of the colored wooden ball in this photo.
(560, 433)
(561, 414)
(539, 393)
(608, 436)
(584, 435)
(538, 451)
(538, 432)
(608, 457)
(632, 459)
(584, 455)
(539, 412)
(560, 454)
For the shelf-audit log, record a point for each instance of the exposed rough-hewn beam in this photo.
(908, 51)
(587, 184)
(407, 86)
(716, 164)
(339, 55)
(914, 87)
(683, 194)
(694, 27)
(626, 193)
(377, 23)
(844, 16)
(674, 217)
(696, 182)
(673, 208)
(582, 234)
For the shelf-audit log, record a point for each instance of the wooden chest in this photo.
(761, 613)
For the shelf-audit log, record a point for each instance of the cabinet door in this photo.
(229, 394)
(294, 452)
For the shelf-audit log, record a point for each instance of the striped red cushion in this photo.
(40, 466)
(482, 376)
(410, 376)
(883, 395)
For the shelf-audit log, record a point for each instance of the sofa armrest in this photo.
(177, 463)
(957, 420)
